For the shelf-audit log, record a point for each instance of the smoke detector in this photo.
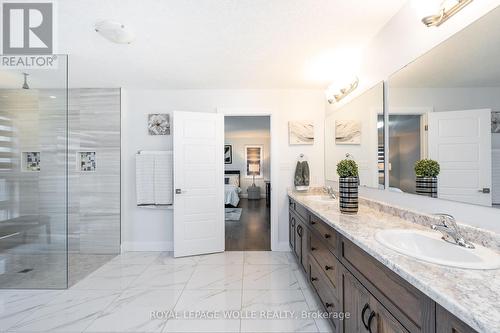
(115, 32)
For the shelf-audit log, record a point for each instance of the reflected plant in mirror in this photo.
(443, 107)
(426, 172)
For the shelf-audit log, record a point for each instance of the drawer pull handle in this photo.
(366, 307)
(314, 279)
(372, 314)
(329, 305)
(327, 236)
(313, 248)
(328, 267)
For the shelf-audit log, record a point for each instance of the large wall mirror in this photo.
(445, 106)
(357, 129)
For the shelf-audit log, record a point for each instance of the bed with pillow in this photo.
(232, 187)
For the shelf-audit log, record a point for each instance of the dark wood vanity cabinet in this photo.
(349, 280)
(299, 237)
(366, 313)
(448, 323)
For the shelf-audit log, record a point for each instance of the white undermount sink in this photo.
(428, 246)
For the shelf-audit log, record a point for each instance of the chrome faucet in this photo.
(450, 231)
(329, 190)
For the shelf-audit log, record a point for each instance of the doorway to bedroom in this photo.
(247, 183)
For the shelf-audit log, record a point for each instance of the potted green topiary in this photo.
(426, 172)
(348, 186)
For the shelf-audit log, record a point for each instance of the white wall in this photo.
(148, 229)
(401, 41)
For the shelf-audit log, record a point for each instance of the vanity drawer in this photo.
(325, 232)
(411, 307)
(298, 209)
(327, 261)
(324, 289)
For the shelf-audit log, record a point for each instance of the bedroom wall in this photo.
(151, 229)
(243, 131)
(239, 162)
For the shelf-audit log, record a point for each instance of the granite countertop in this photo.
(471, 295)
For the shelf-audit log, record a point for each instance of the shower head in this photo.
(25, 84)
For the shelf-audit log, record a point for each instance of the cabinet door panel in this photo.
(448, 323)
(367, 314)
(291, 230)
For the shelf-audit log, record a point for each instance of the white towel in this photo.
(163, 180)
(144, 170)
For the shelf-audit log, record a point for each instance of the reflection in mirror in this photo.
(443, 107)
(357, 129)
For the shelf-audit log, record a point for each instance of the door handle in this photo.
(178, 191)
(484, 190)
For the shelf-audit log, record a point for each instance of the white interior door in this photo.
(461, 142)
(198, 183)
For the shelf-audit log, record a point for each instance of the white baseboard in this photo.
(282, 247)
(147, 246)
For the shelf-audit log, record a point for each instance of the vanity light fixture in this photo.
(333, 96)
(445, 12)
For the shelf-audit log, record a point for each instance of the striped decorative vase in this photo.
(427, 186)
(348, 195)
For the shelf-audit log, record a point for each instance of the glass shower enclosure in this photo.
(34, 178)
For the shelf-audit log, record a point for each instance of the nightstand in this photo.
(253, 192)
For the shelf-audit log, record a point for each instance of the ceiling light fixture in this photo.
(115, 32)
(447, 9)
(333, 94)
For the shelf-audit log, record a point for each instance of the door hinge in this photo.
(426, 127)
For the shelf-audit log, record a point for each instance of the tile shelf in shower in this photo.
(30, 161)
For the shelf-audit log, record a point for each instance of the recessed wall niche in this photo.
(87, 161)
(30, 161)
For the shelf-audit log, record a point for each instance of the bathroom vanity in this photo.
(384, 291)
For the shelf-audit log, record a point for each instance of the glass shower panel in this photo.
(33, 178)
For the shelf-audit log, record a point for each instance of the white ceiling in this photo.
(469, 58)
(213, 43)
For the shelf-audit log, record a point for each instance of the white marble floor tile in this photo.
(16, 305)
(215, 326)
(135, 258)
(301, 277)
(323, 325)
(71, 311)
(278, 325)
(131, 312)
(167, 258)
(163, 277)
(111, 277)
(269, 277)
(223, 258)
(312, 299)
(216, 277)
(275, 300)
(209, 300)
(267, 258)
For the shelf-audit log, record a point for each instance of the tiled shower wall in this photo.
(94, 196)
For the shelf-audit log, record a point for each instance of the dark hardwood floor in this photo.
(253, 231)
